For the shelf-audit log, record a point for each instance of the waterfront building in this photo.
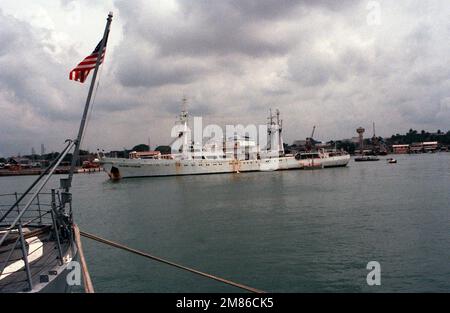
(416, 147)
(430, 146)
(144, 155)
(400, 149)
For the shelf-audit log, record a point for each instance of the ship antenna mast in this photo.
(184, 112)
(280, 138)
(184, 121)
(269, 130)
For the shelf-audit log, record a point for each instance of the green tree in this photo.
(51, 156)
(68, 157)
(140, 148)
(347, 146)
(164, 149)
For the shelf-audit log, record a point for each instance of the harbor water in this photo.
(290, 231)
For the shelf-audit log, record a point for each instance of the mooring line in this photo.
(149, 256)
(88, 286)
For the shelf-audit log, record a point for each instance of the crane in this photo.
(310, 140)
(313, 130)
(375, 142)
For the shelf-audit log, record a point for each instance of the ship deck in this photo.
(43, 257)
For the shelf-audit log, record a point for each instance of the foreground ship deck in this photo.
(37, 250)
(48, 272)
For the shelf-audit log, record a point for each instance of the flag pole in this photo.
(76, 152)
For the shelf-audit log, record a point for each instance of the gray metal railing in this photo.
(41, 210)
(41, 213)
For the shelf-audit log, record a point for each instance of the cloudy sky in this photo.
(334, 64)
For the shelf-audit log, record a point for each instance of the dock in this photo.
(38, 171)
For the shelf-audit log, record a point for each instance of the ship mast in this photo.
(184, 122)
(272, 127)
(76, 152)
(280, 139)
(269, 131)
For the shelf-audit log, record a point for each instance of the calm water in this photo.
(294, 231)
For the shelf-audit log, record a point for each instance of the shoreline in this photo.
(62, 170)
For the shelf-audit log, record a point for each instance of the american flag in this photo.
(81, 72)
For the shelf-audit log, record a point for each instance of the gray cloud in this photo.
(32, 94)
(203, 28)
(153, 72)
(318, 61)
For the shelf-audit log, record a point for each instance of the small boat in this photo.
(392, 160)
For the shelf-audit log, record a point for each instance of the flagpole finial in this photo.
(110, 14)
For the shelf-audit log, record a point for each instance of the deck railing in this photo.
(41, 216)
(34, 210)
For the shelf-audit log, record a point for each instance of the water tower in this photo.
(360, 132)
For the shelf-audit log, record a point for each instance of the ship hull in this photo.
(336, 161)
(325, 161)
(124, 168)
(58, 283)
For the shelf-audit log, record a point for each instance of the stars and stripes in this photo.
(81, 71)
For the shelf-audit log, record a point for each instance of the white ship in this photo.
(232, 155)
(323, 158)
